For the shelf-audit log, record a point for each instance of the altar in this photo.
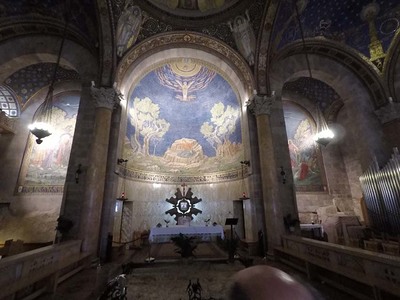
(314, 231)
(203, 233)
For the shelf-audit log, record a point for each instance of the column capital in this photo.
(389, 112)
(105, 97)
(261, 104)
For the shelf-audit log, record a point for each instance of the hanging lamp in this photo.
(41, 123)
(243, 163)
(121, 161)
(324, 135)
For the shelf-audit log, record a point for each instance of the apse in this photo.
(183, 119)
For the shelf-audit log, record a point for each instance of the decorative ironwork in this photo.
(116, 289)
(194, 290)
(183, 203)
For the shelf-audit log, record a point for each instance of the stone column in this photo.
(107, 219)
(105, 100)
(261, 107)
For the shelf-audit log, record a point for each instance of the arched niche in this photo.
(360, 122)
(305, 158)
(44, 166)
(23, 51)
(138, 63)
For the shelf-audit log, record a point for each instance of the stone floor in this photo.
(169, 278)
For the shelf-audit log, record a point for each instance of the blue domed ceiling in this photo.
(342, 21)
(183, 119)
(81, 13)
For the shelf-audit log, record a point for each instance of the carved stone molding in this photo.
(140, 175)
(389, 112)
(105, 97)
(261, 104)
(185, 39)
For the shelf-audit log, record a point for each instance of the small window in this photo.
(8, 102)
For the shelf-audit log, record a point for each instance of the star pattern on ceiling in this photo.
(337, 20)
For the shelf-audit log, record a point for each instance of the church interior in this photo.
(287, 145)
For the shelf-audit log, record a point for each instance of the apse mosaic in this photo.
(46, 164)
(337, 20)
(183, 119)
(300, 128)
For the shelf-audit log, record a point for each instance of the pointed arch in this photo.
(392, 68)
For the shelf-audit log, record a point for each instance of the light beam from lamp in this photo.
(324, 135)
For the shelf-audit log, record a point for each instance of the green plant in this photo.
(186, 245)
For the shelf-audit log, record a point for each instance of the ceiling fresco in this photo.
(215, 23)
(28, 81)
(315, 90)
(193, 7)
(82, 13)
(338, 20)
(183, 119)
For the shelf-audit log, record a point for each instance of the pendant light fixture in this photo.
(244, 163)
(121, 161)
(41, 123)
(324, 135)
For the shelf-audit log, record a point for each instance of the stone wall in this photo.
(149, 205)
(32, 219)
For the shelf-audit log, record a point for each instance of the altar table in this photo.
(205, 233)
(313, 230)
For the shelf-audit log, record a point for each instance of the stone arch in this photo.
(200, 45)
(61, 88)
(367, 72)
(357, 114)
(159, 49)
(27, 50)
(340, 78)
(392, 69)
(164, 47)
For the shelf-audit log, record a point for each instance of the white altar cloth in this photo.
(205, 233)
